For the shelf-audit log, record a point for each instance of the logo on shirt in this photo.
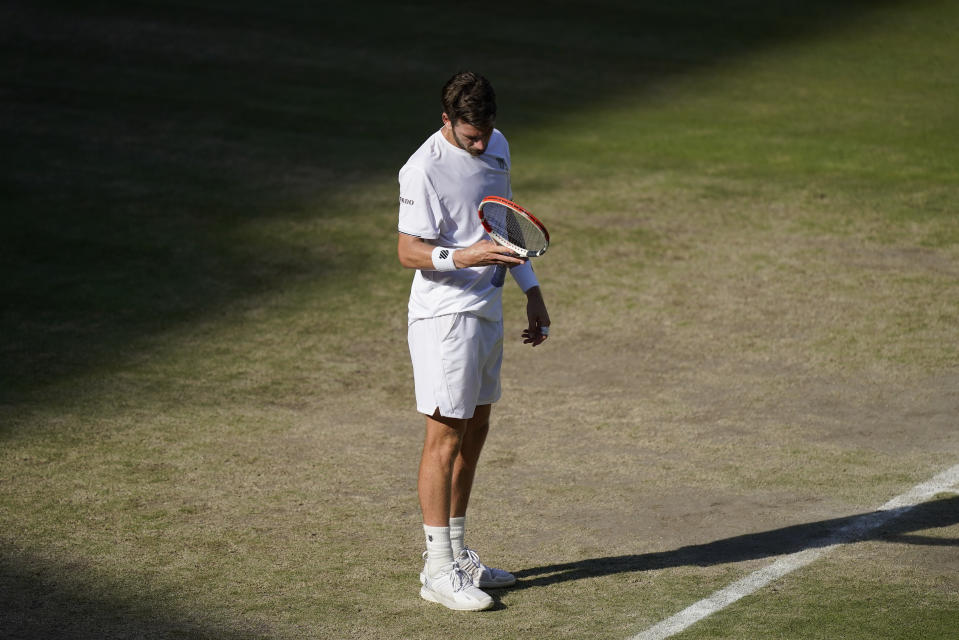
(502, 163)
(406, 201)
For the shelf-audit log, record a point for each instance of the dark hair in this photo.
(469, 97)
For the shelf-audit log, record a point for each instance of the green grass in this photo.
(205, 399)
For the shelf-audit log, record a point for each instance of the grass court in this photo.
(207, 427)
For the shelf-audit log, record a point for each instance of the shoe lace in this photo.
(472, 556)
(459, 579)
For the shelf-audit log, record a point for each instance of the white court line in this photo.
(945, 481)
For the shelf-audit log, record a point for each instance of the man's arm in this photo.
(417, 253)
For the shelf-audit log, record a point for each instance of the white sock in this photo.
(439, 551)
(457, 533)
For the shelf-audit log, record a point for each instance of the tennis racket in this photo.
(512, 226)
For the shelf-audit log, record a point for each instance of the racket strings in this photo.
(515, 229)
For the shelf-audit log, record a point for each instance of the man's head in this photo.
(469, 111)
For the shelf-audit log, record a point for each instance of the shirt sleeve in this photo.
(420, 213)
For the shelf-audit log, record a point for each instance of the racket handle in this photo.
(499, 276)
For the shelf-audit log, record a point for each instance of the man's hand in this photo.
(485, 252)
(538, 329)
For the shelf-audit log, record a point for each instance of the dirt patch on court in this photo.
(762, 406)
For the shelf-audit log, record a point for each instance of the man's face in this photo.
(471, 139)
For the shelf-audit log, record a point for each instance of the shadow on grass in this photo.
(37, 603)
(42, 601)
(159, 156)
(755, 546)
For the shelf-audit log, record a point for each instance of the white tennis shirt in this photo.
(441, 187)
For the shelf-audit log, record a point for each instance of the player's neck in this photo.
(447, 132)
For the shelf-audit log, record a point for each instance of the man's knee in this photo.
(444, 436)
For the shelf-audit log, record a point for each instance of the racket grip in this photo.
(499, 276)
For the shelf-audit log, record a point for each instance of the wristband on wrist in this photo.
(443, 259)
(525, 278)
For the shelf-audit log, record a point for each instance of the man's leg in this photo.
(464, 466)
(441, 448)
(442, 579)
(464, 470)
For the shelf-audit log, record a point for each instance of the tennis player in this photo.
(456, 325)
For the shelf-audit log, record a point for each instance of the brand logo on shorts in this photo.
(406, 201)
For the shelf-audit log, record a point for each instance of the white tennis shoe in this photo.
(453, 588)
(483, 577)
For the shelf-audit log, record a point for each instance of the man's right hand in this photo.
(484, 253)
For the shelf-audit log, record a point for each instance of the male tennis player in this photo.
(456, 325)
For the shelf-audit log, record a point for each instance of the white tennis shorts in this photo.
(456, 363)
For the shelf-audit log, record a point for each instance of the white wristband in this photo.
(443, 259)
(525, 276)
